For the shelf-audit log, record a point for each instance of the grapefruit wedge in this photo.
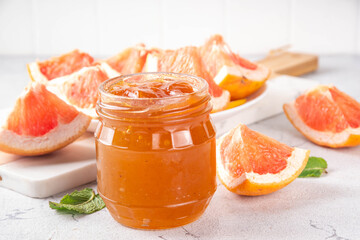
(41, 123)
(187, 60)
(250, 163)
(326, 116)
(230, 71)
(80, 89)
(59, 66)
(129, 61)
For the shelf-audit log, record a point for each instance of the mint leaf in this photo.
(84, 201)
(315, 167)
(78, 197)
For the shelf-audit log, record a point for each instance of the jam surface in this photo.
(155, 88)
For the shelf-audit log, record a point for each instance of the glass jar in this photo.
(156, 160)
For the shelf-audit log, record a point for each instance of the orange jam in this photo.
(157, 88)
(155, 147)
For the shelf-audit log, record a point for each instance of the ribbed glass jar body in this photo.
(156, 157)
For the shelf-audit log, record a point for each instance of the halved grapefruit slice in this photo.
(230, 71)
(186, 60)
(80, 89)
(129, 61)
(41, 123)
(326, 116)
(250, 163)
(236, 103)
(59, 66)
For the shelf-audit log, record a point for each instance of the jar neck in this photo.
(168, 108)
(155, 110)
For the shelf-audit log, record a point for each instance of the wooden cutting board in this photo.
(290, 63)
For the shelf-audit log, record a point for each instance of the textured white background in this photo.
(104, 27)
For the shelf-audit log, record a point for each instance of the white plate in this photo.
(228, 119)
(219, 118)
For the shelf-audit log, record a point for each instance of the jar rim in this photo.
(153, 109)
(103, 92)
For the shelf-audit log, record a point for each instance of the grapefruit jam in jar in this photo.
(155, 147)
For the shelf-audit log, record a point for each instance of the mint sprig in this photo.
(84, 201)
(315, 167)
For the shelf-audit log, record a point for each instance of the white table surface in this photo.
(312, 208)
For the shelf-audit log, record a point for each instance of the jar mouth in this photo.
(201, 85)
(171, 108)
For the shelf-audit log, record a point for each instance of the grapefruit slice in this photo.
(187, 60)
(230, 71)
(326, 116)
(236, 103)
(250, 163)
(129, 61)
(59, 66)
(80, 89)
(41, 123)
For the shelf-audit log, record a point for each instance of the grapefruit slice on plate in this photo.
(41, 123)
(129, 61)
(59, 66)
(250, 163)
(236, 103)
(80, 89)
(326, 116)
(187, 60)
(230, 71)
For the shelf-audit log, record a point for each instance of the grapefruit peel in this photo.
(237, 83)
